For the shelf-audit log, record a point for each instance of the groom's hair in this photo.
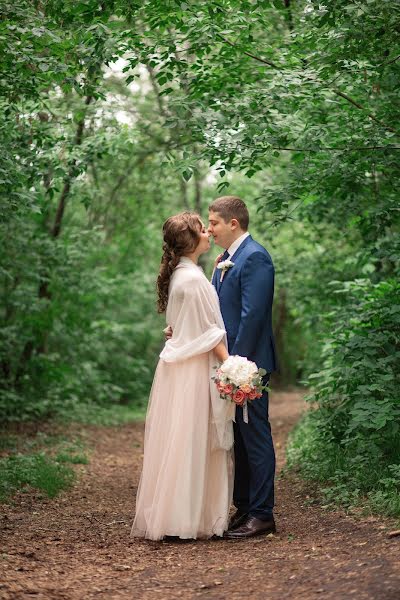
(231, 207)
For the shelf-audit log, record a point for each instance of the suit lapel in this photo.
(215, 279)
(241, 247)
(234, 258)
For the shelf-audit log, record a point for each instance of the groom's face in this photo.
(223, 233)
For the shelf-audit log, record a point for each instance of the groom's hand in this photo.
(168, 332)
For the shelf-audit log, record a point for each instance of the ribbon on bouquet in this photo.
(245, 412)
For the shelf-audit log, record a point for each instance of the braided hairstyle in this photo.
(181, 235)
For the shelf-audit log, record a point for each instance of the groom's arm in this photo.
(168, 332)
(257, 283)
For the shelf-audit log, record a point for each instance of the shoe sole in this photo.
(232, 536)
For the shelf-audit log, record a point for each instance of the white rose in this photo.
(238, 370)
(225, 264)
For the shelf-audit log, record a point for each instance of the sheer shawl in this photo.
(194, 315)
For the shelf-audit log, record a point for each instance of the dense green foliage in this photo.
(350, 474)
(115, 115)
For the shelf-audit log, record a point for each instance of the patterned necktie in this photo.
(224, 256)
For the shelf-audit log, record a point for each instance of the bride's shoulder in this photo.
(189, 280)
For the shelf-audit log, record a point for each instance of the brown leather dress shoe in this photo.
(251, 527)
(237, 519)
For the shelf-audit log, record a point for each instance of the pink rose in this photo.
(220, 387)
(228, 388)
(239, 397)
(246, 388)
(253, 395)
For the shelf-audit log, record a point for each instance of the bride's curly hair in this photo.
(181, 235)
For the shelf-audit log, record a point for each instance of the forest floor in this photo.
(77, 546)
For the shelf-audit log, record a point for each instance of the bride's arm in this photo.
(221, 352)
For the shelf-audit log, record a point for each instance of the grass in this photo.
(75, 459)
(38, 471)
(41, 462)
(345, 476)
(8, 442)
(91, 414)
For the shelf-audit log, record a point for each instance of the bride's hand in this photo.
(218, 259)
(221, 353)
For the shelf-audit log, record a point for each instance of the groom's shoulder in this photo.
(254, 247)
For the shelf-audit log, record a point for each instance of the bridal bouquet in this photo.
(239, 380)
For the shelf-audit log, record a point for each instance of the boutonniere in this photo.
(224, 265)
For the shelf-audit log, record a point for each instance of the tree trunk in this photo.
(197, 193)
(288, 14)
(43, 290)
(184, 194)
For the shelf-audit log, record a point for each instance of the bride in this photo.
(185, 489)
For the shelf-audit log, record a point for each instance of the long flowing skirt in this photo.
(185, 488)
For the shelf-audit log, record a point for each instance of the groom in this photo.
(246, 290)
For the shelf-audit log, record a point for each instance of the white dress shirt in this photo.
(233, 247)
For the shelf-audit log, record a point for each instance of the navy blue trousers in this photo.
(254, 461)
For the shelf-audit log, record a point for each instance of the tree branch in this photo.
(389, 62)
(361, 107)
(258, 58)
(335, 90)
(320, 149)
(67, 182)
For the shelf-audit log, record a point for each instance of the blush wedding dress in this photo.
(185, 488)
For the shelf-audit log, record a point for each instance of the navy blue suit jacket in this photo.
(246, 294)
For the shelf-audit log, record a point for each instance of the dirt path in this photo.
(78, 546)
